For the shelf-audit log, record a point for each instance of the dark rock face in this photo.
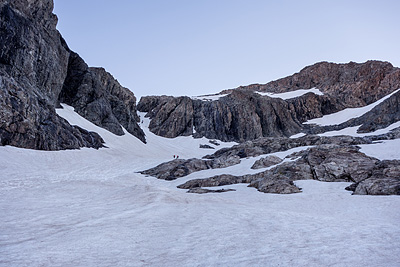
(32, 123)
(98, 97)
(34, 65)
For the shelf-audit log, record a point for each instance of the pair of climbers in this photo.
(176, 156)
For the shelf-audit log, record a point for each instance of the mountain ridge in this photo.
(243, 114)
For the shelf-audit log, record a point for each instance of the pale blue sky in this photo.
(178, 47)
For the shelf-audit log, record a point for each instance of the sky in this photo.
(181, 47)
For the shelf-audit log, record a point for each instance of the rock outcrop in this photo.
(177, 168)
(35, 69)
(226, 157)
(327, 159)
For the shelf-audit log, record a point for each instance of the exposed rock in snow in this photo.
(266, 162)
(199, 190)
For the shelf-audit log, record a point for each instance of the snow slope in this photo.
(291, 94)
(90, 208)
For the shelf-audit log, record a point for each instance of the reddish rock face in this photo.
(353, 84)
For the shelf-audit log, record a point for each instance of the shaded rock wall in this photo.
(34, 65)
(98, 97)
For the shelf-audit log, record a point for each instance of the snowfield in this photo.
(91, 208)
(209, 97)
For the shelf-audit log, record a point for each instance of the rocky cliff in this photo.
(244, 114)
(36, 70)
